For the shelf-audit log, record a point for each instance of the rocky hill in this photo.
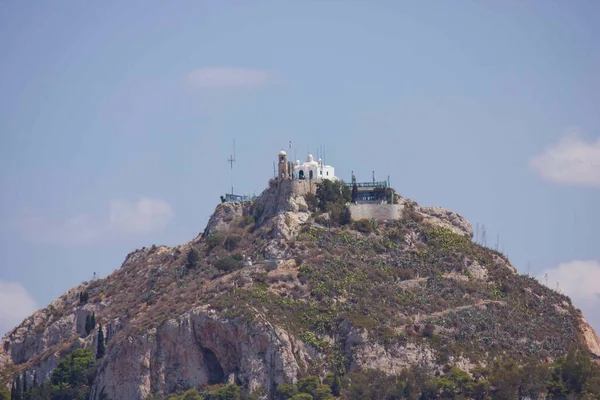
(290, 286)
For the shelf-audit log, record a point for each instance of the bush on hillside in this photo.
(232, 242)
(363, 225)
(332, 192)
(192, 258)
(213, 241)
(229, 263)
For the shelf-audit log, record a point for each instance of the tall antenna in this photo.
(231, 160)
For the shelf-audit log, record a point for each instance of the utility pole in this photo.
(231, 160)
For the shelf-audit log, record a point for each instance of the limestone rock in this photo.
(447, 219)
(197, 348)
(476, 270)
(391, 359)
(591, 337)
(224, 215)
(288, 224)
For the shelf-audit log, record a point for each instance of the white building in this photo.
(312, 169)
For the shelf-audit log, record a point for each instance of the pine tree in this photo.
(335, 386)
(88, 324)
(18, 389)
(192, 258)
(101, 344)
(93, 322)
(24, 384)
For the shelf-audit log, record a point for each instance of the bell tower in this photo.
(284, 169)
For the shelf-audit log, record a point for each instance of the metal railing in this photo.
(231, 198)
(368, 184)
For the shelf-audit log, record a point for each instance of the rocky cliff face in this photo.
(273, 296)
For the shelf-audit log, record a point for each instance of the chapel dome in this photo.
(309, 158)
(282, 153)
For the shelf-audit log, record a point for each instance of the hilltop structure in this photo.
(310, 169)
(370, 200)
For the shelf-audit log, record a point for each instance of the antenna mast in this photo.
(231, 160)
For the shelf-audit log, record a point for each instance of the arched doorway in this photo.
(301, 174)
(310, 174)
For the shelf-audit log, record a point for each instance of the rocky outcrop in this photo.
(447, 219)
(200, 348)
(392, 359)
(225, 215)
(591, 337)
(476, 271)
(281, 197)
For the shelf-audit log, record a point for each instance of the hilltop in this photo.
(302, 283)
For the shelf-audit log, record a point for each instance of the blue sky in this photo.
(117, 118)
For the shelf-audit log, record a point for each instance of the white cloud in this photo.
(570, 161)
(15, 305)
(145, 216)
(124, 218)
(227, 76)
(580, 280)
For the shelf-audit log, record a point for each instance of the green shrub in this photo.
(363, 225)
(346, 216)
(192, 258)
(229, 263)
(214, 240)
(227, 392)
(308, 384)
(332, 192)
(323, 392)
(302, 396)
(257, 211)
(322, 219)
(286, 391)
(192, 394)
(74, 370)
(84, 297)
(248, 220)
(312, 201)
(429, 330)
(232, 242)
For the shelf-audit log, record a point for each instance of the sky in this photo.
(117, 119)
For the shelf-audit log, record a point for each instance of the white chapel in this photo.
(312, 169)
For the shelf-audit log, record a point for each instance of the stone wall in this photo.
(376, 211)
(302, 187)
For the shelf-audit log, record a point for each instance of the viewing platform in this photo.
(234, 198)
(367, 184)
